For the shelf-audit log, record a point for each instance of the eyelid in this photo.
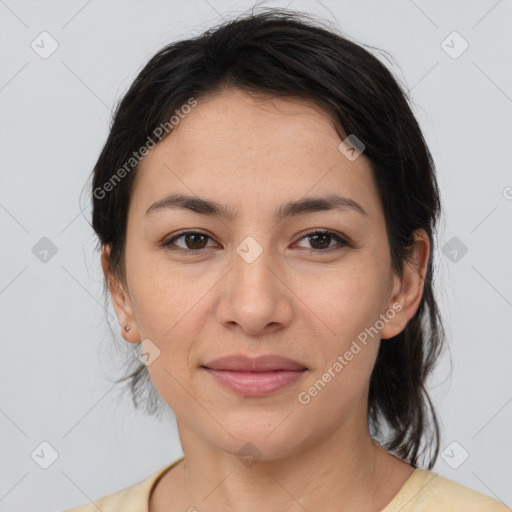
(343, 241)
(169, 242)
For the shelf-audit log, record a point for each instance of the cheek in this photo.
(348, 345)
(345, 302)
(338, 392)
(163, 296)
(170, 311)
(346, 308)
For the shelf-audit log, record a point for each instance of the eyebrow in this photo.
(291, 209)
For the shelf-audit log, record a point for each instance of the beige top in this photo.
(424, 491)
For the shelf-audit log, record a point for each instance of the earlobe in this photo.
(408, 289)
(120, 299)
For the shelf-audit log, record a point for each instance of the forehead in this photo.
(236, 122)
(243, 149)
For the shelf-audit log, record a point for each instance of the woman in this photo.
(266, 208)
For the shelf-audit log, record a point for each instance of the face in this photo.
(306, 285)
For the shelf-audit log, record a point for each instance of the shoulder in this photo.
(130, 499)
(427, 491)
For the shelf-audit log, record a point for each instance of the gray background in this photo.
(57, 355)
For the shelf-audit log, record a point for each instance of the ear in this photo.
(120, 299)
(407, 290)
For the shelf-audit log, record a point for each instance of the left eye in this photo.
(323, 239)
(195, 241)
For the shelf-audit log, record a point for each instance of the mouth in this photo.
(255, 377)
(256, 383)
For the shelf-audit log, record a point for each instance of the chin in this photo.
(261, 443)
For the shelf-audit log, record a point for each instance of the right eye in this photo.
(193, 241)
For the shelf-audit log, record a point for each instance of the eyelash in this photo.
(342, 241)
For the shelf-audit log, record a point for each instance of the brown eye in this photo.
(191, 240)
(194, 241)
(320, 241)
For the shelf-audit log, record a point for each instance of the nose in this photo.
(254, 296)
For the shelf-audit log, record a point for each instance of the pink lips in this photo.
(255, 377)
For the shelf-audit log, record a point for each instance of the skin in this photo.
(255, 154)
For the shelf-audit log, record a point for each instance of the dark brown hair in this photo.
(285, 53)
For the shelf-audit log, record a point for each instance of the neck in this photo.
(344, 473)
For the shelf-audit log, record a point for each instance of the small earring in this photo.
(127, 328)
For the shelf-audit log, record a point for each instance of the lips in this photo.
(241, 363)
(255, 377)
